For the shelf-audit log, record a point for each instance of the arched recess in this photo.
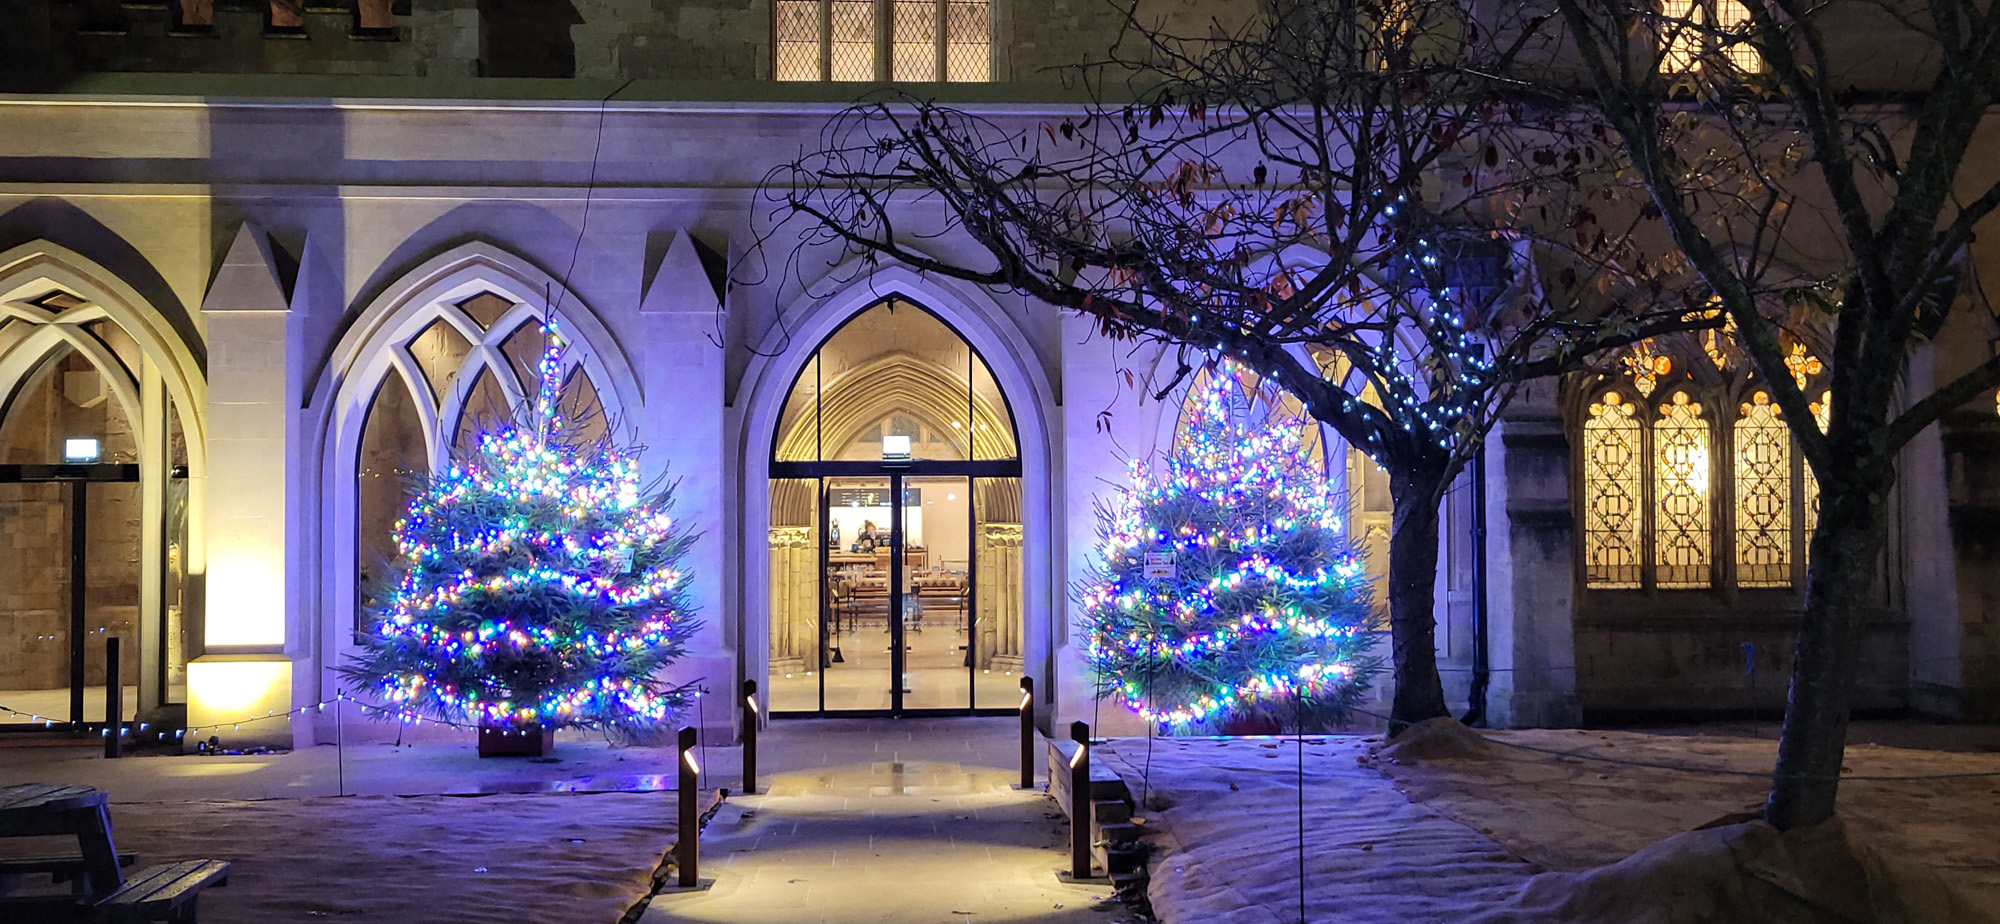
(452, 339)
(56, 303)
(776, 365)
(1364, 481)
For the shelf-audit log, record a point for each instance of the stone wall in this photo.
(705, 40)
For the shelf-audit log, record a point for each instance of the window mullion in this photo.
(826, 39)
(885, 21)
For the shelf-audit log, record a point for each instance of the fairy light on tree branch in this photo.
(1255, 605)
(538, 585)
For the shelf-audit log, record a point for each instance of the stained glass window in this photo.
(913, 50)
(795, 40)
(1612, 476)
(968, 40)
(1763, 496)
(852, 41)
(924, 40)
(1681, 486)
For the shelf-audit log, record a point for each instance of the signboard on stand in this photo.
(1161, 565)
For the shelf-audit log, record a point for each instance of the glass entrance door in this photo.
(861, 595)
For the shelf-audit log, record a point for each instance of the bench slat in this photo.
(164, 887)
(55, 863)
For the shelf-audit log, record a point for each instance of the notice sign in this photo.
(1161, 565)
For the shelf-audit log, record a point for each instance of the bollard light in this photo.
(1079, 802)
(1027, 733)
(751, 717)
(686, 847)
(114, 701)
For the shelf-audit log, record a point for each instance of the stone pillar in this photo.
(1531, 570)
(680, 373)
(249, 631)
(1093, 460)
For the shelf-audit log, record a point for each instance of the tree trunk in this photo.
(1413, 557)
(1846, 553)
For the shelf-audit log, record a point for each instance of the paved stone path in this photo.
(888, 821)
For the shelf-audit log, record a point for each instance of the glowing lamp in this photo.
(80, 450)
(895, 447)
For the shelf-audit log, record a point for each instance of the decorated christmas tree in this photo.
(538, 586)
(1228, 595)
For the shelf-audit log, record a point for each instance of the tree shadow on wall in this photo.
(527, 38)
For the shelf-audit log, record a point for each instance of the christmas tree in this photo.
(539, 587)
(1228, 590)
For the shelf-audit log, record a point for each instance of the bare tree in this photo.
(1737, 120)
(1320, 194)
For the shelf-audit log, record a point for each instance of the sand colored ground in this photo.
(1573, 813)
(552, 859)
(1455, 836)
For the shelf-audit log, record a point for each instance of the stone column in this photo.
(1531, 569)
(680, 373)
(1093, 461)
(249, 631)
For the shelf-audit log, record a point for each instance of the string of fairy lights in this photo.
(1264, 601)
(379, 711)
(539, 586)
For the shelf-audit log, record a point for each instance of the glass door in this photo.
(937, 571)
(862, 638)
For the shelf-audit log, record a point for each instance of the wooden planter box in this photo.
(529, 742)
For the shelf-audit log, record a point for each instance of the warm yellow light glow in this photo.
(751, 701)
(692, 766)
(232, 689)
(1026, 698)
(246, 596)
(1076, 758)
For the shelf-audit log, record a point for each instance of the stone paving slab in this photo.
(889, 841)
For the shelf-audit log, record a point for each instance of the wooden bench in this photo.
(166, 892)
(60, 867)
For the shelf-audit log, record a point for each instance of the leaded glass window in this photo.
(1613, 502)
(1692, 31)
(1681, 488)
(918, 41)
(1763, 496)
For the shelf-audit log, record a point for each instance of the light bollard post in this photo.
(751, 716)
(1079, 802)
(686, 847)
(1027, 733)
(114, 702)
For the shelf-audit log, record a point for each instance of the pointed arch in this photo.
(381, 342)
(775, 365)
(61, 303)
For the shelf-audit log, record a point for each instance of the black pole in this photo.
(751, 715)
(79, 629)
(114, 702)
(1482, 663)
(1079, 802)
(1027, 733)
(686, 847)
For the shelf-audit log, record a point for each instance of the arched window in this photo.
(1613, 473)
(463, 373)
(1370, 511)
(1763, 495)
(97, 403)
(1681, 489)
(1676, 496)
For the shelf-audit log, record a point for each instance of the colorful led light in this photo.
(538, 586)
(1268, 610)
